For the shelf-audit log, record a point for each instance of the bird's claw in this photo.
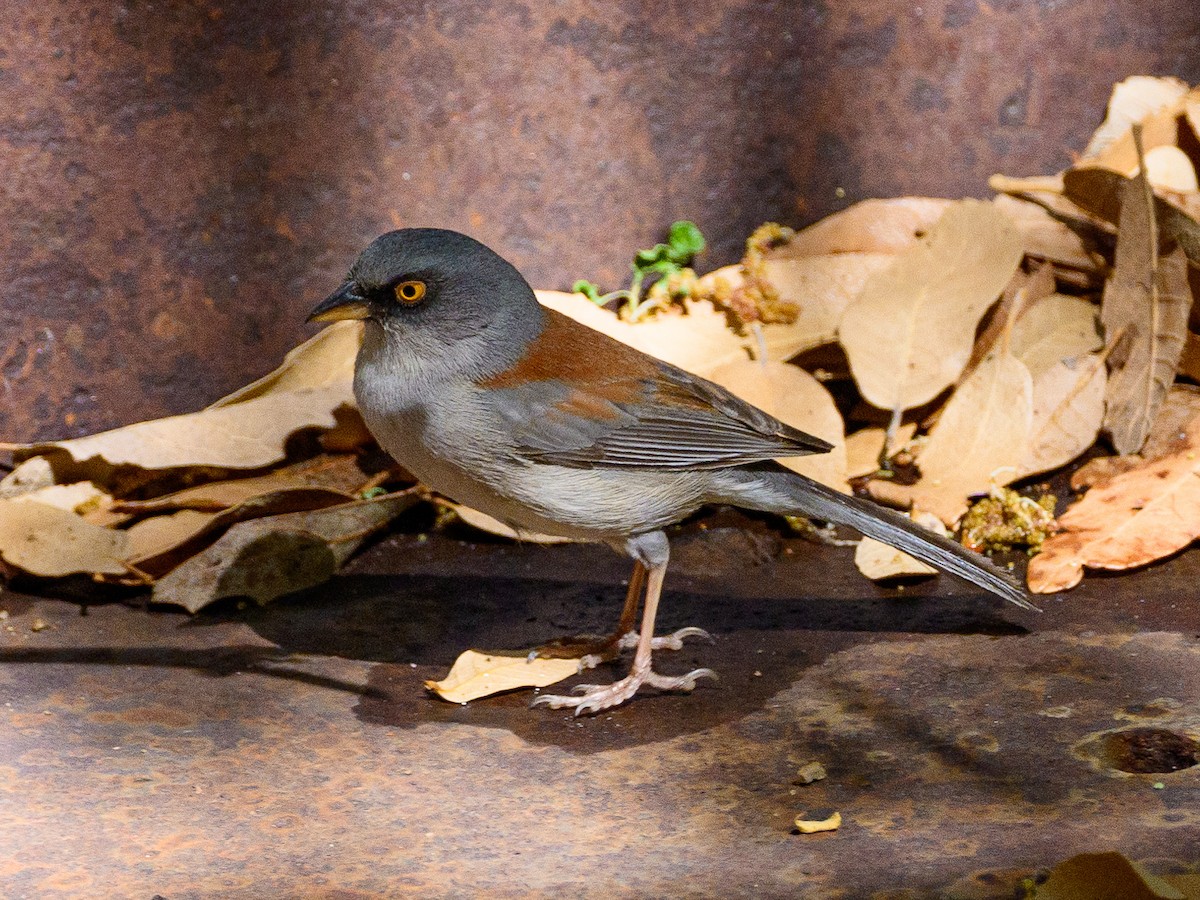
(667, 641)
(592, 698)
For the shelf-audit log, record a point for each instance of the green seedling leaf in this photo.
(588, 289)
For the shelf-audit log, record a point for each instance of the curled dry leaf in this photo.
(1145, 308)
(1134, 100)
(880, 562)
(52, 542)
(324, 360)
(798, 399)
(268, 557)
(476, 674)
(909, 334)
(1129, 520)
(245, 430)
(815, 826)
(978, 441)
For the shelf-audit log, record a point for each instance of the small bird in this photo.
(549, 426)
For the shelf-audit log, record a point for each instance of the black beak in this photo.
(344, 303)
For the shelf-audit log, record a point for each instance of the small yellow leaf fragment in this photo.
(812, 826)
(476, 674)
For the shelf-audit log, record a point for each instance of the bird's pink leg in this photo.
(591, 651)
(594, 697)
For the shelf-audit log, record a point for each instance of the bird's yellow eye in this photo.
(410, 292)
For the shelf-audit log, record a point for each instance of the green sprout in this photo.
(668, 265)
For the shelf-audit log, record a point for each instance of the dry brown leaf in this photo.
(910, 332)
(1134, 100)
(51, 542)
(1053, 329)
(1108, 876)
(879, 562)
(245, 430)
(476, 674)
(864, 446)
(1129, 520)
(276, 555)
(871, 226)
(1189, 360)
(1043, 236)
(247, 435)
(977, 442)
(1068, 408)
(793, 396)
(1169, 435)
(1145, 308)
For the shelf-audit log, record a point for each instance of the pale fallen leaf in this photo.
(978, 441)
(821, 287)
(1146, 304)
(28, 476)
(1043, 236)
(864, 446)
(1158, 127)
(1129, 520)
(484, 522)
(268, 557)
(476, 674)
(51, 542)
(909, 334)
(880, 562)
(1068, 408)
(796, 398)
(1191, 108)
(813, 826)
(77, 498)
(1171, 169)
(870, 226)
(1053, 329)
(1134, 100)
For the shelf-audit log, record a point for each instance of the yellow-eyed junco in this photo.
(524, 414)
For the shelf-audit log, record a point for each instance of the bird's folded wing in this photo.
(613, 406)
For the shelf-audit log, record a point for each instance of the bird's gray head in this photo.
(433, 287)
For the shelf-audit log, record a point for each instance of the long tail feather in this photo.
(793, 494)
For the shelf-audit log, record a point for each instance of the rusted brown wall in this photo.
(182, 181)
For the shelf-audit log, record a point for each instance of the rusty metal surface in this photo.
(291, 751)
(181, 181)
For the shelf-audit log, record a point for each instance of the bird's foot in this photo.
(591, 651)
(596, 697)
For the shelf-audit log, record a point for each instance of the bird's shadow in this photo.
(413, 627)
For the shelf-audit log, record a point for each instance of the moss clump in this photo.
(1005, 520)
